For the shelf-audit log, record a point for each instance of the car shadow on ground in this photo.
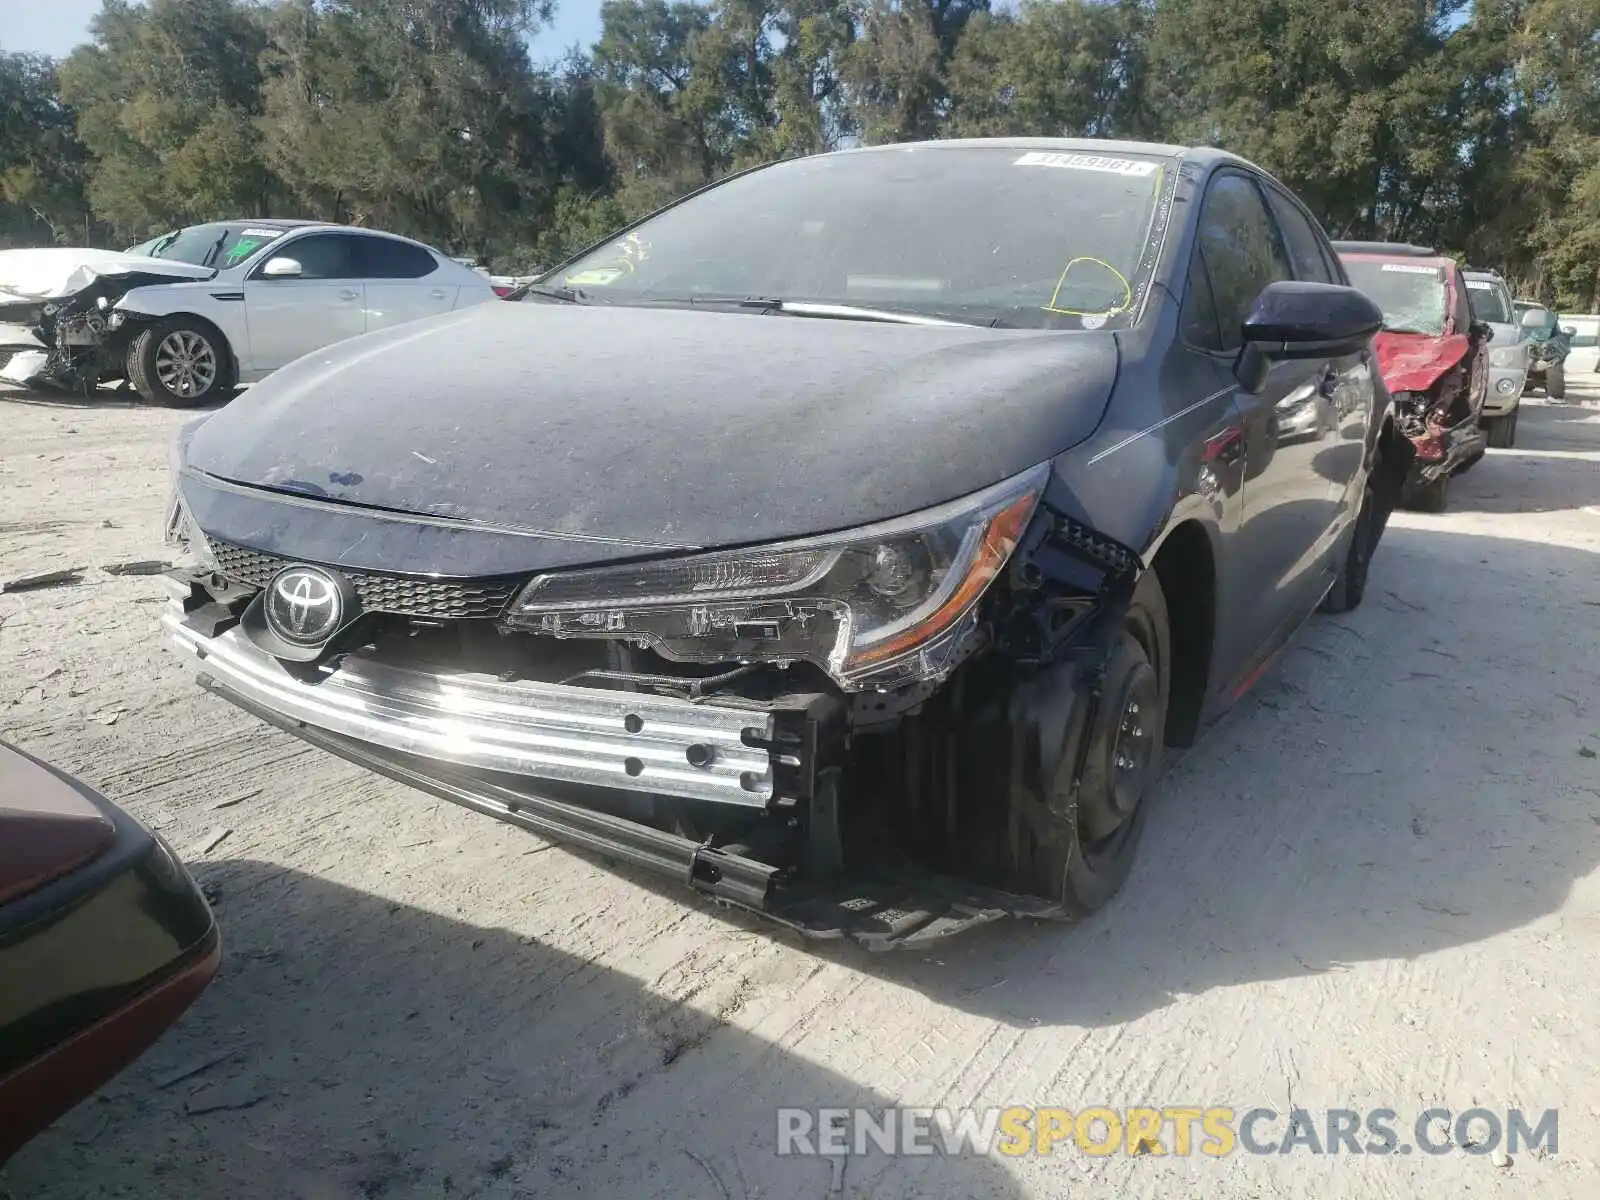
(383, 1050)
(102, 397)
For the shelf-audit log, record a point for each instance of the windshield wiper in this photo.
(836, 312)
(216, 247)
(550, 291)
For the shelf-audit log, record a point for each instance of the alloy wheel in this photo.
(186, 363)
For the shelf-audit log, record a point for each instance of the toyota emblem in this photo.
(304, 606)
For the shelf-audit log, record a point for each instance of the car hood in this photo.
(1414, 362)
(59, 271)
(659, 427)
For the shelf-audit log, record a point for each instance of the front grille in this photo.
(435, 598)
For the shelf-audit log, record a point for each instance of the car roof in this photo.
(291, 224)
(1401, 255)
(262, 222)
(1204, 156)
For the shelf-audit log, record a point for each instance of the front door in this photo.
(1288, 425)
(294, 315)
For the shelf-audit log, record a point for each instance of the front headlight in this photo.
(882, 605)
(1506, 356)
(182, 534)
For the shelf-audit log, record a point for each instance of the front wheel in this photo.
(1073, 838)
(180, 362)
(1503, 431)
(1350, 585)
(1555, 381)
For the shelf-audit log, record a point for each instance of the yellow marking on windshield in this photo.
(1127, 291)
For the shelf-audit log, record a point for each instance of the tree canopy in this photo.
(1473, 125)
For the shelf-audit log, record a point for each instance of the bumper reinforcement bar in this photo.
(598, 737)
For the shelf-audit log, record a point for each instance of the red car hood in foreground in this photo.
(1413, 362)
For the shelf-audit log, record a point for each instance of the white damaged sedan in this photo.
(189, 315)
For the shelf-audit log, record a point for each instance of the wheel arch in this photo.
(1185, 564)
(137, 322)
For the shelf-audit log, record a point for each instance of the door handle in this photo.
(437, 293)
(347, 294)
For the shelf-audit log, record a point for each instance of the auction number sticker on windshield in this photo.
(1088, 162)
(1410, 269)
(1479, 285)
(261, 233)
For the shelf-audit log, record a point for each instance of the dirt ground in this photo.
(1374, 884)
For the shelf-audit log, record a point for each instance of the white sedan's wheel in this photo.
(181, 362)
(186, 364)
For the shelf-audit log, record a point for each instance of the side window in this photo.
(320, 255)
(1304, 243)
(386, 258)
(1199, 317)
(1242, 253)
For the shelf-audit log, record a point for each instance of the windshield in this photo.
(220, 245)
(1412, 295)
(988, 235)
(1490, 302)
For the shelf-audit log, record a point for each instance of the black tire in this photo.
(181, 362)
(1077, 845)
(1503, 430)
(1555, 381)
(1350, 585)
(1427, 498)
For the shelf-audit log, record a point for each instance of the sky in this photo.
(54, 27)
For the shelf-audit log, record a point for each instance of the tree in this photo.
(43, 165)
(418, 115)
(1061, 68)
(167, 97)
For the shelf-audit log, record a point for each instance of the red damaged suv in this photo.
(1432, 357)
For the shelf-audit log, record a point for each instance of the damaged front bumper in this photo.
(1440, 449)
(58, 317)
(581, 735)
(581, 764)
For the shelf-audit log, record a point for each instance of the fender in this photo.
(218, 304)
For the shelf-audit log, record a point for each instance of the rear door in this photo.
(403, 281)
(324, 304)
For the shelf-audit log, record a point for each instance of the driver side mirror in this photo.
(281, 267)
(1295, 319)
(1570, 330)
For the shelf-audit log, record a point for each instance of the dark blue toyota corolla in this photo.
(848, 539)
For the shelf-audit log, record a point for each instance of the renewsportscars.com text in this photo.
(1181, 1130)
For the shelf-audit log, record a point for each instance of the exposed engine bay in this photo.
(59, 321)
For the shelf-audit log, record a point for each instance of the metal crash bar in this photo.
(584, 735)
